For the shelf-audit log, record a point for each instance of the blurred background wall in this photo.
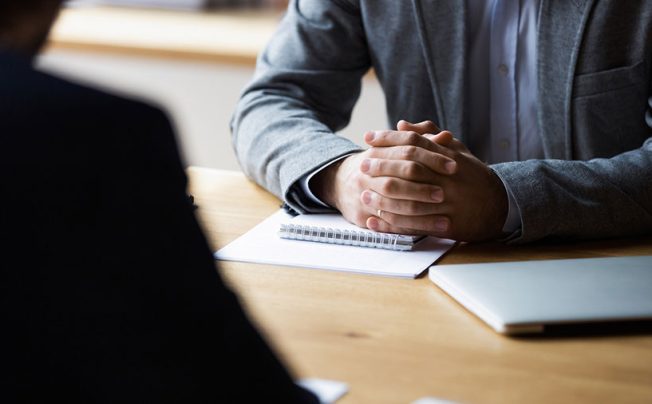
(193, 61)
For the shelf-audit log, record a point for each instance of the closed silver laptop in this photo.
(527, 296)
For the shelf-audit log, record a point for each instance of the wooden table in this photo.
(396, 340)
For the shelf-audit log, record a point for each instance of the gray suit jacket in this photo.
(595, 115)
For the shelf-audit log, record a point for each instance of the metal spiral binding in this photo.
(336, 236)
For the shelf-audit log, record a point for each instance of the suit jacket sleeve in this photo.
(306, 84)
(602, 197)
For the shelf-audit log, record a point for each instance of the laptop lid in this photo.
(525, 296)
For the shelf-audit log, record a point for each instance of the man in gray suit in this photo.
(553, 99)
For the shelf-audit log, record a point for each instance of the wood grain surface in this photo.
(395, 340)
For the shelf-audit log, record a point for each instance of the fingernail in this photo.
(369, 136)
(437, 195)
(450, 167)
(372, 223)
(441, 225)
(364, 166)
(366, 197)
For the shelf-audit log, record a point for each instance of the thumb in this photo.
(443, 138)
(421, 127)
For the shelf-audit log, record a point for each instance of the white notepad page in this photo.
(263, 245)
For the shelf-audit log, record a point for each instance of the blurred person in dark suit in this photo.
(109, 289)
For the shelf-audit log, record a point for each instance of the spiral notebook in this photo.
(263, 245)
(334, 229)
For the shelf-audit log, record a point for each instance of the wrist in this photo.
(324, 183)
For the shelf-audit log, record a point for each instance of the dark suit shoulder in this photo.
(43, 97)
(43, 117)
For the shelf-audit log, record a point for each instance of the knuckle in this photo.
(380, 166)
(441, 162)
(379, 202)
(431, 126)
(425, 190)
(411, 170)
(410, 207)
(389, 186)
(412, 138)
(359, 182)
(454, 154)
(409, 152)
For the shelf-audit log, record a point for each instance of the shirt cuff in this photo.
(305, 181)
(513, 221)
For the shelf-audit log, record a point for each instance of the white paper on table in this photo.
(433, 400)
(263, 245)
(328, 391)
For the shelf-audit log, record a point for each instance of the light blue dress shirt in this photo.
(502, 87)
(502, 80)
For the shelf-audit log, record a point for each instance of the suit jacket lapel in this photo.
(561, 27)
(442, 33)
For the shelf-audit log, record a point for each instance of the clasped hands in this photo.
(417, 180)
